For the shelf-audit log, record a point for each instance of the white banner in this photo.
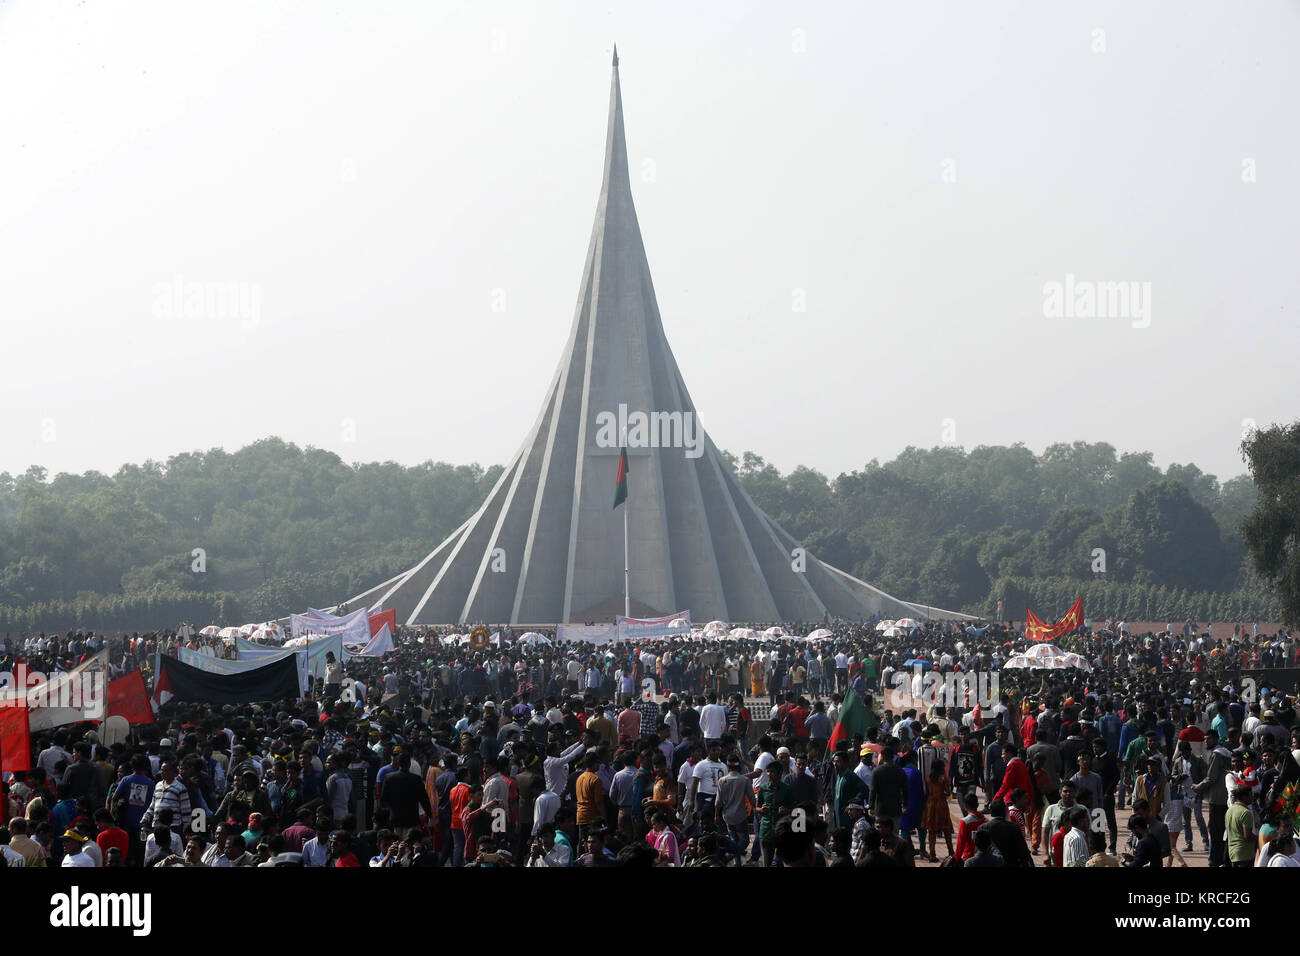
(589, 633)
(65, 697)
(379, 645)
(354, 628)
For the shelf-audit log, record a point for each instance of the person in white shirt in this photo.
(74, 846)
(547, 851)
(686, 780)
(316, 851)
(713, 720)
(670, 720)
(864, 769)
(555, 768)
(759, 773)
(544, 808)
(1075, 850)
(49, 759)
(1252, 721)
(705, 776)
(93, 851)
(1282, 851)
(12, 856)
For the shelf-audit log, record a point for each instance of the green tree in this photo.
(1166, 535)
(1272, 530)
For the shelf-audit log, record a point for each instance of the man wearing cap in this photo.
(74, 846)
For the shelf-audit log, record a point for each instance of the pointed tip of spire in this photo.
(615, 54)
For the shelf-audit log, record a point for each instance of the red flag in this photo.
(15, 739)
(1034, 626)
(162, 683)
(128, 697)
(377, 621)
(1036, 630)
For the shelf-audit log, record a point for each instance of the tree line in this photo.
(229, 537)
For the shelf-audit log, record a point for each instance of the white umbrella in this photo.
(907, 622)
(230, 632)
(820, 634)
(532, 637)
(743, 634)
(715, 628)
(697, 635)
(1042, 652)
(894, 632)
(679, 624)
(1064, 662)
(247, 629)
(774, 632)
(884, 625)
(1079, 661)
(210, 631)
(268, 632)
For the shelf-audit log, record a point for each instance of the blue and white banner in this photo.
(315, 649)
(638, 629)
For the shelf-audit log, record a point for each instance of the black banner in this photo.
(274, 681)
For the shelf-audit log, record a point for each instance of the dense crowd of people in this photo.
(689, 751)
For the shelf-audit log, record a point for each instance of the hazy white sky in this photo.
(405, 192)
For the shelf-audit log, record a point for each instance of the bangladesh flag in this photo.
(855, 718)
(620, 491)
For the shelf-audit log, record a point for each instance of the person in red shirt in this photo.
(1016, 776)
(1058, 843)
(799, 720)
(341, 849)
(459, 800)
(1029, 727)
(109, 834)
(971, 822)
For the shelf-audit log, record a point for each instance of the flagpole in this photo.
(627, 573)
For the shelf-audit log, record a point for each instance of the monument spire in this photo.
(545, 547)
